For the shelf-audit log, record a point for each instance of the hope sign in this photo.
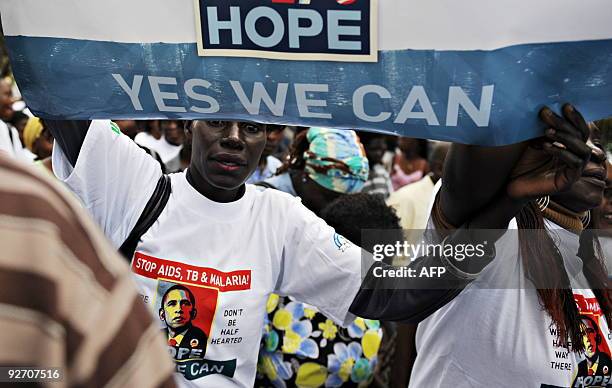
(280, 29)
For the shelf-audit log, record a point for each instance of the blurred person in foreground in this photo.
(66, 298)
(379, 180)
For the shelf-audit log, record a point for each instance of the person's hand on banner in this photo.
(552, 163)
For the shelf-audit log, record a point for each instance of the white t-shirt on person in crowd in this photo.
(11, 145)
(213, 263)
(496, 334)
(167, 152)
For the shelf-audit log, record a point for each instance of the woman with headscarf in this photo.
(39, 141)
(323, 164)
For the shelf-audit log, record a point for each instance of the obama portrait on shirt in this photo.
(178, 311)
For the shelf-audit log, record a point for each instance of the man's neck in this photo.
(213, 193)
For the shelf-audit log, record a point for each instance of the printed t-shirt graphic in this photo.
(187, 297)
(594, 368)
(495, 332)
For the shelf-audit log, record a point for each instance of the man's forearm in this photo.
(473, 177)
(413, 298)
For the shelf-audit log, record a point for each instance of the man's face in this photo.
(375, 150)
(128, 127)
(587, 192)
(273, 139)
(177, 309)
(589, 338)
(173, 132)
(225, 153)
(6, 100)
(314, 196)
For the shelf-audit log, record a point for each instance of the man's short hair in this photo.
(179, 287)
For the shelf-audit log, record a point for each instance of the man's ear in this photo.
(188, 127)
(194, 313)
(162, 315)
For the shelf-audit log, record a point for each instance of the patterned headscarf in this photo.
(336, 160)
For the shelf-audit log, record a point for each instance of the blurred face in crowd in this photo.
(587, 192)
(128, 127)
(410, 147)
(225, 153)
(314, 196)
(43, 146)
(273, 139)
(438, 156)
(173, 132)
(375, 150)
(20, 125)
(153, 127)
(6, 100)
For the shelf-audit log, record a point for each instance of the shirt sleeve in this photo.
(319, 266)
(113, 177)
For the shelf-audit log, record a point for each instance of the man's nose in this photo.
(232, 137)
(597, 154)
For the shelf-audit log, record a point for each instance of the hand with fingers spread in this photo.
(552, 163)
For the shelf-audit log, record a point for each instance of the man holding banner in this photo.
(235, 243)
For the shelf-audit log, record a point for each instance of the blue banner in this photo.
(307, 63)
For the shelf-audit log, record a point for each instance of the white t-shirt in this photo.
(502, 337)
(167, 152)
(145, 139)
(230, 256)
(11, 145)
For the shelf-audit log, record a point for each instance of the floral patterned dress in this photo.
(303, 348)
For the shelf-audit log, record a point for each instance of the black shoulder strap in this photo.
(149, 215)
(265, 184)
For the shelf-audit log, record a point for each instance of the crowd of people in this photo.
(261, 232)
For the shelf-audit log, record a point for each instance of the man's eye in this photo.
(253, 128)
